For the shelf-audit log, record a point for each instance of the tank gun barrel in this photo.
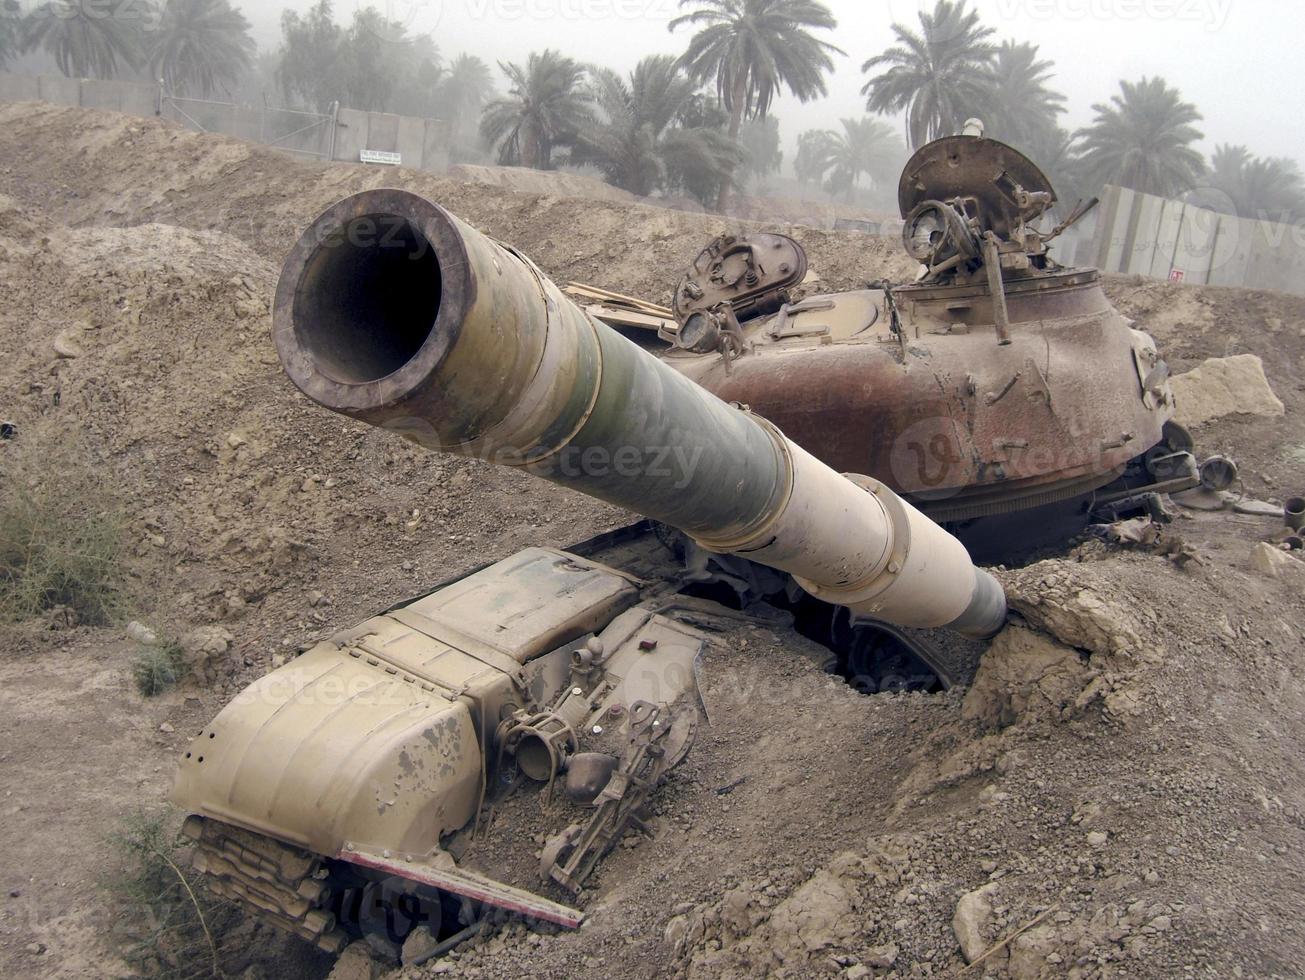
(392, 311)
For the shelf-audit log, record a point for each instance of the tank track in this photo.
(280, 884)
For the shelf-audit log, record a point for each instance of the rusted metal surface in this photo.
(998, 382)
(945, 415)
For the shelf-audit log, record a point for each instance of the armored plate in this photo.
(969, 166)
(753, 273)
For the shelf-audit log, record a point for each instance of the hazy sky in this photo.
(1240, 61)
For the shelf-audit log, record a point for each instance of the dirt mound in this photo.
(523, 180)
(121, 170)
(1125, 771)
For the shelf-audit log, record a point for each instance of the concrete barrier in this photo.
(64, 91)
(382, 132)
(350, 135)
(19, 88)
(1165, 239)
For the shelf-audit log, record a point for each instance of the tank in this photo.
(339, 796)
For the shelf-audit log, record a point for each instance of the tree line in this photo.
(697, 123)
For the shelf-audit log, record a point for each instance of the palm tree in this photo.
(939, 77)
(1143, 139)
(865, 146)
(1273, 190)
(201, 46)
(310, 68)
(634, 138)
(84, 42)
(10, 30)
(418, 74)
(1253, 187)
(373, 57)
(1022, 107)
(814, 152)
(466, 87)
(753, 49)
(763, 153)
(1056, 152)
(545, 107)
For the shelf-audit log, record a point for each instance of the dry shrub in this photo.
(62, 532)
(169, 925)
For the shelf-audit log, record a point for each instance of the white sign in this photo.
(382, 157)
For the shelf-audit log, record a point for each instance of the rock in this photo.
(972, 920)
(1074, 605)
(420, 943)
(36, 949)
(317, 598)
(355, 963)
(1097, 838)
(204, 651)
(676, 929)
(65, 347)
(816, 916)
(166, 729)
(1224, 386)
(1274, 562)
(1031, 952)
(858, 971)
(235, 440)
(739, 911)
(882, 957)
(142, 634)
(1025, 674)
(1161, 923)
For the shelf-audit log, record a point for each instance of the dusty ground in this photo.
(1126, 771)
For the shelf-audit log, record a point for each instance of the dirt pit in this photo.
(1122, 781)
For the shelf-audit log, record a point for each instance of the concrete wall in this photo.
(1163, 239)
(423, 143)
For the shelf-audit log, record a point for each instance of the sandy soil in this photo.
(1125, 772)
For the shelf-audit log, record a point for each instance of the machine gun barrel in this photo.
(392, 311)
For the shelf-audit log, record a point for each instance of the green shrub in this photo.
(62, 536)
(158, 668)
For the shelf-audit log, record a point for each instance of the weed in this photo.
(62, 536)
(167, 921)
(158, 668)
